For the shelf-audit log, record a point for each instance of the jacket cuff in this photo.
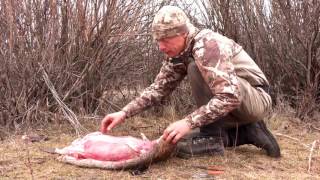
(125, 110)
(191, 123)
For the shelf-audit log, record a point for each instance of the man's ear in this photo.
(185, 35)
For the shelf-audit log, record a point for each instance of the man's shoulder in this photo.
(203, 33)
(207, 38)
(209, 34)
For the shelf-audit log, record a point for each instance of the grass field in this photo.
(19, 160)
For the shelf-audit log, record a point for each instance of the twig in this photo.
(92, 117)
(70, 115)
(310, 155)
(127, 34)
(315, 127)
(292, 138)
(142, 127)
(118, 108)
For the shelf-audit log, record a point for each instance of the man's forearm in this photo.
(133, 108)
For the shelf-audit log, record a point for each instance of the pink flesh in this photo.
(103, 151)
(108, 148)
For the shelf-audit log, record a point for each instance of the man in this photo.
(230, 90)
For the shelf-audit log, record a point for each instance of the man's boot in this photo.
(201, 143)
(257, 134)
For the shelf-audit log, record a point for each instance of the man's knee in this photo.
(255, 103)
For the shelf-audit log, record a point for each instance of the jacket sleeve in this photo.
(166, 81)
(213, 58)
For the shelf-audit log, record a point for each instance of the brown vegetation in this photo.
(25, 161)
(98, 54)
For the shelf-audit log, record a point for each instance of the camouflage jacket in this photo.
(213, 54)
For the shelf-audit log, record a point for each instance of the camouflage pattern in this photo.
(217, 58)
(170, 21)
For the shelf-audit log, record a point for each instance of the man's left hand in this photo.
(175, 131)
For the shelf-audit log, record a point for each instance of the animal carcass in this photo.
(110, 152)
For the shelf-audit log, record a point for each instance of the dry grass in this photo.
(245, 162)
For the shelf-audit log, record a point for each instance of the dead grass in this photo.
(245, 162)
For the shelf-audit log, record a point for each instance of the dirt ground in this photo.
(19, 160)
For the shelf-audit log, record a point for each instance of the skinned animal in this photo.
(96, 150)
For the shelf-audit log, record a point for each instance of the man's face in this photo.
(172, 46)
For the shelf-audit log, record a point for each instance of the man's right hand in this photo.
(112, 120)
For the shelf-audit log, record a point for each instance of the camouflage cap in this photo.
(169, 21)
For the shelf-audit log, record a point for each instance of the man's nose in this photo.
(162, 46)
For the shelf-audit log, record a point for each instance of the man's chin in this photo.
(171, 55)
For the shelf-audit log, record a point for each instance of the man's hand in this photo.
(112, 120)
(175, 131)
